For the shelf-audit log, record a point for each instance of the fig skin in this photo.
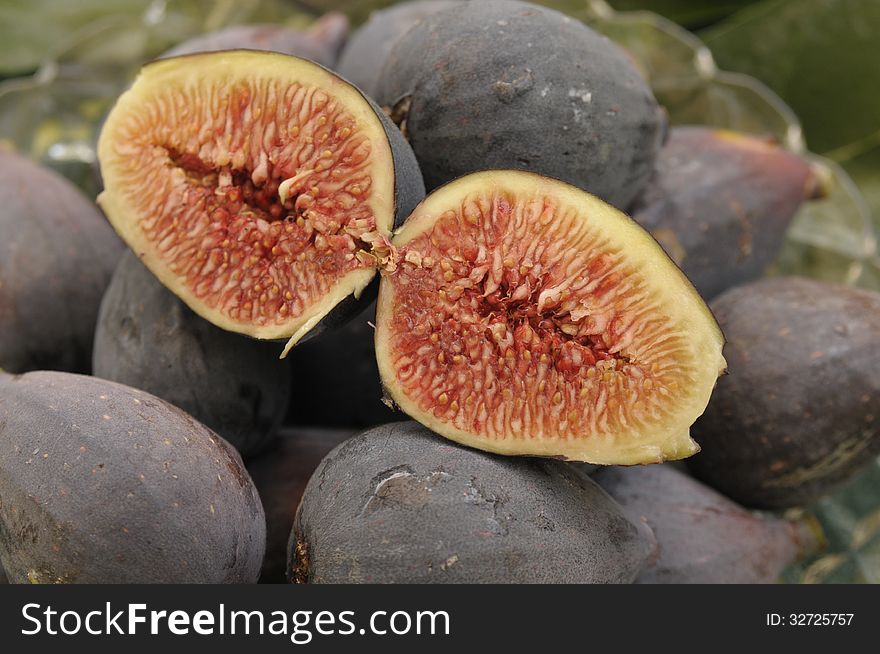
(101, 483)
(57, 254)
(398, 504)
(799, 412)
(148, 339)
(341, 364)
(503, 84)
(405, 192)
(701, 536)
(321, 42)
(281, 477)
(720, 203)
(365, 52)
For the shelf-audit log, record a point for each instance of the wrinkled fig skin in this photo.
(799, 411)
(148, 339)
(701, 537)
(398, 504)
(57, 254)
(101, 483)
(365, 52)
(341, 364)
(503, 84)
(720, 203)
(281, 477)
(321, 43)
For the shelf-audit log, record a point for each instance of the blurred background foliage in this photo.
(805, 71)
(823, 58)
(819, 56)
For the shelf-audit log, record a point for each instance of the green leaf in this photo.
(820, 56)
(30, 30)
(690, 13)
(116, 32)
(862, 161)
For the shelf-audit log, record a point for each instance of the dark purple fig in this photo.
(57, 254)
(321, 43)
(148, 339)
(365, 52)
(512, 85)
(281, 477)
(719, 203)
(799, 412)
(701, 537)
(340, 364)
(398, 504)
(102, 483)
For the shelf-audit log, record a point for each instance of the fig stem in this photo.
(808, 534)
(819, 185)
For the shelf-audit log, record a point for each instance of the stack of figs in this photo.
(369, 321)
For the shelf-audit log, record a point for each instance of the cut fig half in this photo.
(522, 315)
(260, 188)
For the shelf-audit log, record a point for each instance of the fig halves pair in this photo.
(516, 313)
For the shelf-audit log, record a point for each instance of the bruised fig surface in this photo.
(397, 504)
(720, 202)
(524, 316)
(365, 53)
(321, 42)
(57, 254)
(148, 339)
(504, 84)
(102, 483)
(701, 536)
(281, 476)
(799, 412)
(260, 188)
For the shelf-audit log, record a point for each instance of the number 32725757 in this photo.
(809, 619)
